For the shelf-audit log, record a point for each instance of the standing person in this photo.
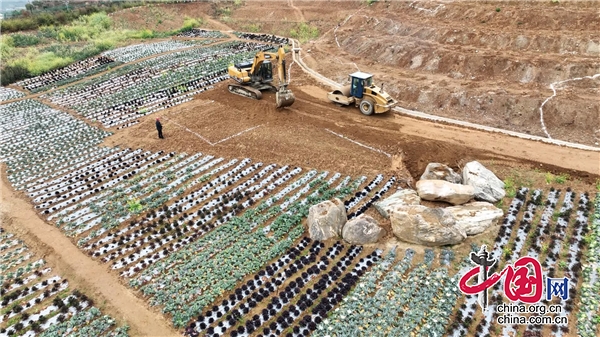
(159, 128)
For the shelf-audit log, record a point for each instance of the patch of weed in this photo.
(304, 32)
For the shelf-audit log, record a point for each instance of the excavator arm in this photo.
(281, 67)
(284, 96)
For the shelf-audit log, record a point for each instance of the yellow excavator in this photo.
(256, 76)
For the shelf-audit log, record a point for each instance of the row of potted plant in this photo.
(202, 33)
(229, 261)
(362, 209)
(162, 238)
(63, 75)
(263, 37)
(9, 93)
(324, 295)
(35, 123)
(122, 98)
(138, 51)
(258, 288)
(587, 322)
(282, 303)
(230, 235)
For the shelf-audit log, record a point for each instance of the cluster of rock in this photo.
(328, 220)
(440, 183)
(416, 223)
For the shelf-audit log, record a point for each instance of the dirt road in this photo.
(82, 272)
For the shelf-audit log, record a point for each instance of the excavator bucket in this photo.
(284, 97)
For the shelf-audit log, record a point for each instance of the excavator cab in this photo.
(264, 73)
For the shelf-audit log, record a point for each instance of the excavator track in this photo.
(245, 91)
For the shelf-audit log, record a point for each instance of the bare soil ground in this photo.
(486, 62)
(303, 135)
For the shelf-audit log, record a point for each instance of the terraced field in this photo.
(212, 233)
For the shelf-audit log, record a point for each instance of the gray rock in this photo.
(440, 190)
(487, 186)
(326, 219)
(398, 199)
(362, 230)
(426, 226)
(437, 171)
(476, 217)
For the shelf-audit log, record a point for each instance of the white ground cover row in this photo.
(31, 148)
(138, 51)
(73, 70)
(9, 93)
(71, 213)
(590, 288)
(122, 97)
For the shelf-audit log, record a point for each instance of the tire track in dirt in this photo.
(104, 287)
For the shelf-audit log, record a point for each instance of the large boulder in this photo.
(487, 186)
(326, 219)
(398, 199)
(440, 190)
(362, 230)
(426, 226)
(437, 171)
(476, 217)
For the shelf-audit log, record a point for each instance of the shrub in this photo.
(15, 25)
(46, 19)
(304, 32)
(549, 177)
(142, 34)
(45, 62)
(189, 24)
(51, 16)
(11, 74)
(253, 28)
(24, 40)
(562, 178)
(6, 46)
